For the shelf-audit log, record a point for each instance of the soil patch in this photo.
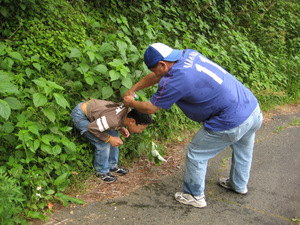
(285, 109)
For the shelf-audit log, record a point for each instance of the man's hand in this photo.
(124, 132)
(128, 100)
(129, 93)
(115, 141)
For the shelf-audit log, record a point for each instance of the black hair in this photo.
(140, 118)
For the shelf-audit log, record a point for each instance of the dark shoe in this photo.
(119, 171)
(108, 178)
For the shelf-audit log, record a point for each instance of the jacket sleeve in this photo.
(97, 129)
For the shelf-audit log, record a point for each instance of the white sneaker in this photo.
(225, 182)
(187, 199)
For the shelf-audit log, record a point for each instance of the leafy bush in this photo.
(12, 199)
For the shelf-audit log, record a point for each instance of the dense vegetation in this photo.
(56, 53)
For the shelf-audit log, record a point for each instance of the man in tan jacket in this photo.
(99, 121)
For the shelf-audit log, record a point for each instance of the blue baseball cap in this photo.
(158, 52)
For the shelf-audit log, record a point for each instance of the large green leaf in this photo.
(106, 47)
(7, 87)
(114, 75)
(83, 68)
(36, 144)
(89, 79)
(61, 179)
(36, 215)
(49, 114)
(47, 138)
(101, 68)
(107, 92)
(4, 109)
(126, 82)
(117, 63)
(7, 128)
(122, 49)
(54, 85)
(69, 144)
(46, 148)
(67, 66)
(60, 100)
(91, 55)
(124, 71)
(34, 129)
(77, 85)
(133, 58)
(56, 150)
(75, 53)
(7, 63)
(66, 198)
(16, 55)
(14, 103)
(39, 99)
(28, 72)
(37, 66)
(40, 82)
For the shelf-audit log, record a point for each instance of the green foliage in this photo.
(56, 53)
(12, 199)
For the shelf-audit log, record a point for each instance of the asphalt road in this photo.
(273, 197)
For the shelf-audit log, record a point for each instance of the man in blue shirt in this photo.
(206, 93)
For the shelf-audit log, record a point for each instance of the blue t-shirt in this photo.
(205, 92)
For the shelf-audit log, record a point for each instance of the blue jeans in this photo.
(106, 156)
(206, 144)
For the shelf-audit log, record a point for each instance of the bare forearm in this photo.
(144, 107)
(149, 80)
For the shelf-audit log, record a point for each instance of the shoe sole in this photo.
(119, 174)
(109, 182)
(192, 204)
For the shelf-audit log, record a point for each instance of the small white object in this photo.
(39, 195)
(155, 153)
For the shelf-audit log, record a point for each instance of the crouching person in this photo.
(100, 122)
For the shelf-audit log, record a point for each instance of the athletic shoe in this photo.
(225, 182)
(188, 199)
(119, 171)
(108, 178)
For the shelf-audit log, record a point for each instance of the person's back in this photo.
(205, 92)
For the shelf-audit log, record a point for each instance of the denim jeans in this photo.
(206, 144)
(106, 156)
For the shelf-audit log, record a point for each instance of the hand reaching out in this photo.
(124, 132)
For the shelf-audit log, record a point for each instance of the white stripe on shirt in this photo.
(102, 124)
(99, 124)
(104, 121)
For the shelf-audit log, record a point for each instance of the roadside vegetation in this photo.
(57, 53)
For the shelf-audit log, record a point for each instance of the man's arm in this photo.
(143, 107)
(149, 80)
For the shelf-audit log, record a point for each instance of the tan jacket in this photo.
(104, 115)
